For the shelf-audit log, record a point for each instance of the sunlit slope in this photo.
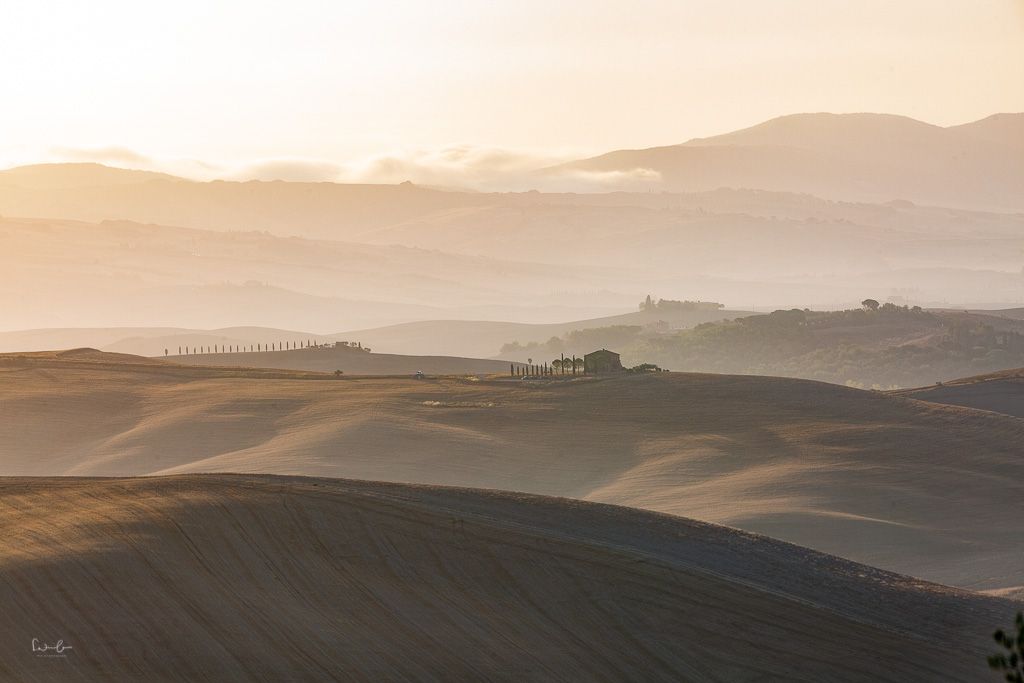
(915, 487)
(224, 578)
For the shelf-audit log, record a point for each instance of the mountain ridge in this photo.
(66, 175)
(860, 157)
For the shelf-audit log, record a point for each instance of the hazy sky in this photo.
(240, 83)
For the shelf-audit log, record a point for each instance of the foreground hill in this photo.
(915, 487)
(1000, 392)
(223, 578)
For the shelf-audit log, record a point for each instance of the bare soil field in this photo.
(236, 577)
(999, 392)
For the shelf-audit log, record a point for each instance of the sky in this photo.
(312, 90)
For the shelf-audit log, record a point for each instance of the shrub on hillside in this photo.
(1010, 663)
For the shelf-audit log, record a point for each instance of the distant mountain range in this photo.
(849, 157)
(78, 175)
(854, 157)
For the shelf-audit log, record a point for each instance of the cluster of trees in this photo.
(260, 347)
(644, 367)
(351, 345)
(650, 304)
(971, 335)
(559, 366)
(1010, 663)
(578, 341)
(567, 365)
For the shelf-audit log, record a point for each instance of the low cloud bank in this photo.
(467, 167)
(462, 166)
(492, 169)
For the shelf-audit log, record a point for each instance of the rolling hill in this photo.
(143, 341)
(484, 338)
(56, 273)
(349, 360)
(1000, 392)
(467, 338)
(1002, 129)
(905, 485)
(370, 256)
(888, 348)
(85, 192)
(50, 177)
(222, 578)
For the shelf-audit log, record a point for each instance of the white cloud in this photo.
(463, 166)
(492, 169)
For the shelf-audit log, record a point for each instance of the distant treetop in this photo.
(649, 304)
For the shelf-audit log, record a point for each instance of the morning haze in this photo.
(512, 341)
